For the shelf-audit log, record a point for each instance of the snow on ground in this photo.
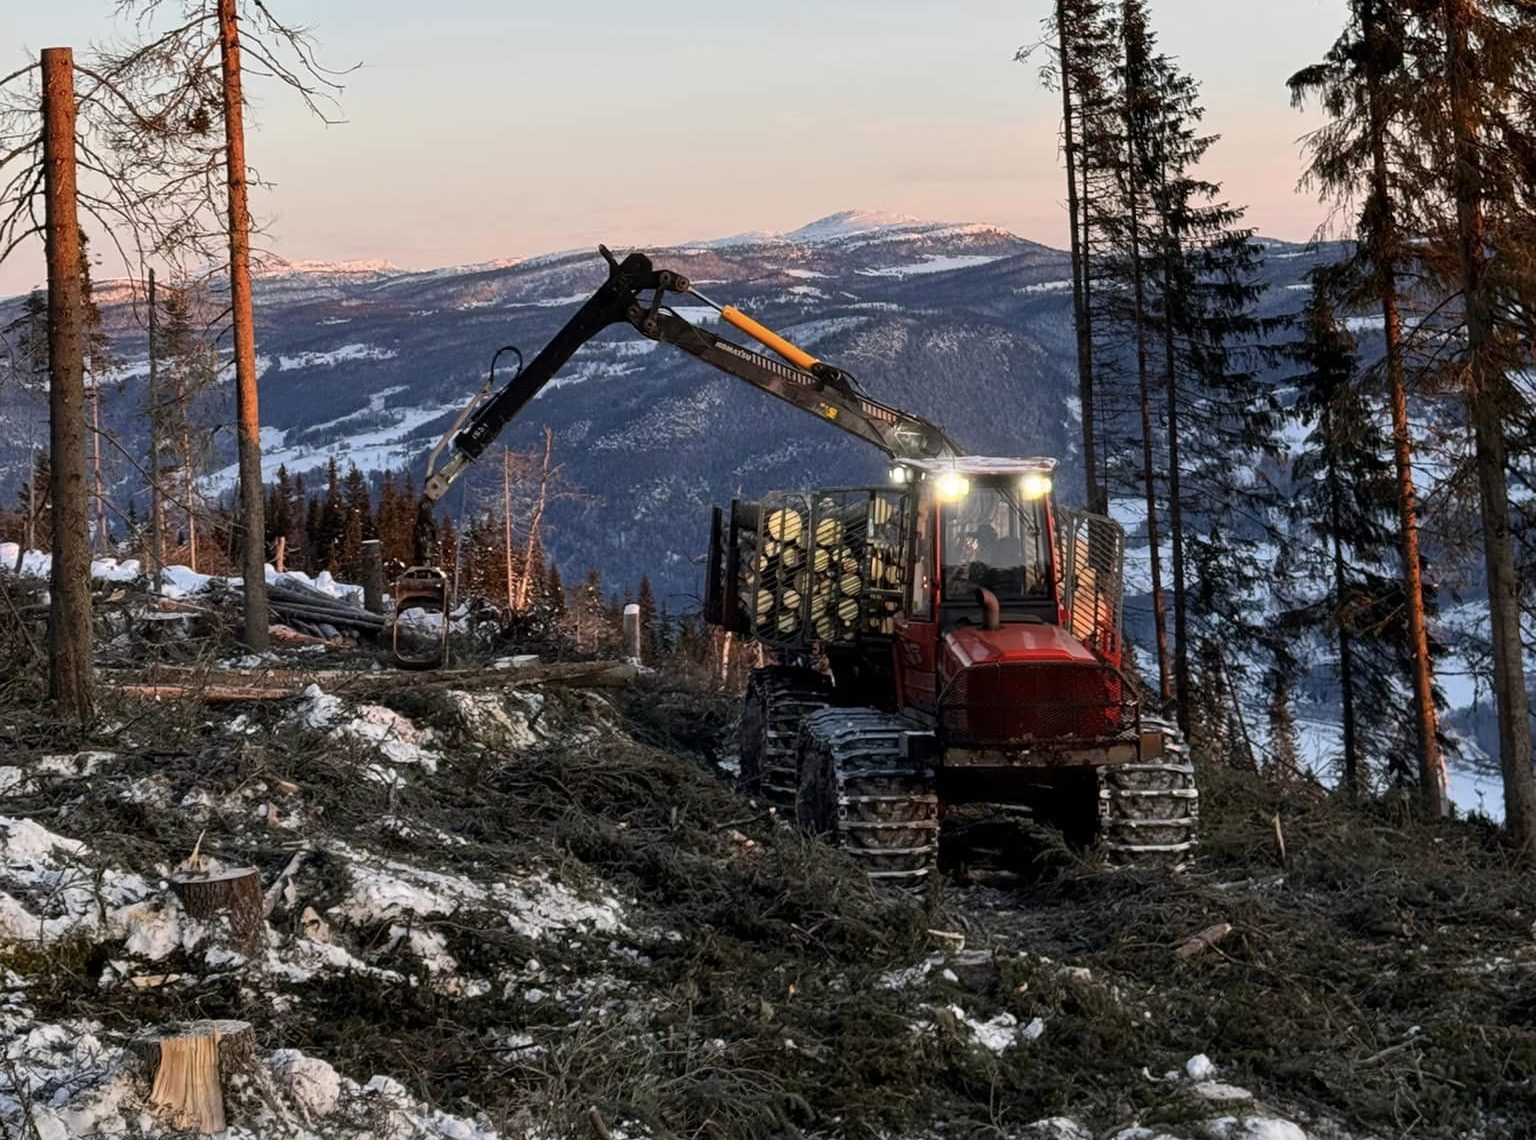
(50, 887)
(933, 263)
(380, 449)
(1044, 287)
(534, 905)
(75, 1079)
(178, 581)
(335, 356)
(395, 737)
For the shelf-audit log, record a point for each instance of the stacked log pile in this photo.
(824, 567)
(317, 614)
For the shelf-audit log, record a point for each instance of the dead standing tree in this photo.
(175, 68)
(165, 183)
(69, 625)
(253, 559)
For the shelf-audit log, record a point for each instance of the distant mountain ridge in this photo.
(966, 323)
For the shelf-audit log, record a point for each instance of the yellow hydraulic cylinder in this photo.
(767, 337)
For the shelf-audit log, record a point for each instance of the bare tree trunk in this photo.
(189, 488)
(1484, 383)
(99, 485)
(69, 625)
(248, 421)
(1433, 789)
(1079, 272)
(1175, 488)
(156, 445)
(506, 523)
(31, 538)
(1352, 781)
(536, 520)
(1159, 615)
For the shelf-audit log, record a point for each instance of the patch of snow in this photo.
(997, 1035)
(335, 356)
(312, 1084)
(1056, 1128)
(934, 263)
(1200, 1067)
(179, 581)
(1253, 1128)
(535, 906)
(384, 448)
(1044, 287)
(395, 737)
(52, 886)
(849, 223)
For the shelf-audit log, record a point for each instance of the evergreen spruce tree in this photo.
(554, 591)
(331, 521)
(1367, 86)
(1083, 50)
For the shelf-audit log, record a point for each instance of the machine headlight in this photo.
(952, 487)
(1036, 485)
(900, 474)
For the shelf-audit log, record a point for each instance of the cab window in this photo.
(995, 538)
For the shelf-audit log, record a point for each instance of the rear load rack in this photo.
(803, 568)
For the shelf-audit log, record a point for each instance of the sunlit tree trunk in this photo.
(248, 418)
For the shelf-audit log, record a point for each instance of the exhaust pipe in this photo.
(991, 609)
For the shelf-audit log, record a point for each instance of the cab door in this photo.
(917, 629)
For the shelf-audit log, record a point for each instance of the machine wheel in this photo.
(1149, 812)
(778, 699)
(856, 789)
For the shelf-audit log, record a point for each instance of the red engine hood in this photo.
(1025, 643)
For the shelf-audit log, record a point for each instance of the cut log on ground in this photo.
(212, 694)
(1198, 943)
(234, 894)
(223, 685)
(292, 638)
(192, 1065)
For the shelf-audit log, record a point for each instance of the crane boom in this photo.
(800, 379)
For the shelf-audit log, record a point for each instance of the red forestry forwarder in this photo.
(952, 638)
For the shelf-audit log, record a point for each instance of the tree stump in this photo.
(234, 893)
(190, 1067)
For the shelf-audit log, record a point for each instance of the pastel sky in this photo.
(483, 129)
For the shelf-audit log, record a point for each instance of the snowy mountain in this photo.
(965, 323)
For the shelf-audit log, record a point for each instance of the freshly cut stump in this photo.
(234, 893)
(192, 1064)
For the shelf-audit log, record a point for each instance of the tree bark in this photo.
(156, 445)
(1433, 790)
(1352, 782)
(1172, 249)
(69, 627)
(535, 523)
(248, 420)
(506, 525)
(1485, 380)
(1079, 274)
(1138, 282)
(234, 894)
